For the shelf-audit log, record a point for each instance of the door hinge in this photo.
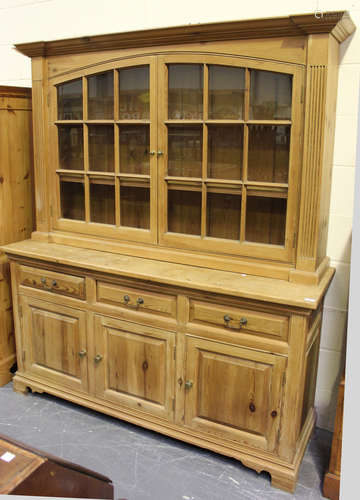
(283, 380)
(302, 94)
(23, 356)
(174, 352)
(173, 404)
(51, 211)
(20, 310)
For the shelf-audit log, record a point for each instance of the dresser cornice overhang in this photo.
(338, 23)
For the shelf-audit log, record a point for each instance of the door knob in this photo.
(98, 358)
(82, 353)
(189, 384)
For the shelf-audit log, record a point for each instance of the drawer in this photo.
(240, 319)
(136, 299)
(63, 284)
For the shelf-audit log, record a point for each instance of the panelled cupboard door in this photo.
(134, 366)
(234, 393)
(54, 340)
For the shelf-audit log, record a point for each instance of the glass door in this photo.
(105, 135)
(227, 139)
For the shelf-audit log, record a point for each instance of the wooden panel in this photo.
(149, 302)
(331, 486)
(55, 343)
(35, 473)
(7, 339)
(310, 378)
(136, 366)
(40, 120)
(15, 471)
(147, 355)
(16, 201)
(234, 393)
(259, 323)
(62, 284)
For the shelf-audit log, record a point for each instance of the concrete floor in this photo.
(144, 465)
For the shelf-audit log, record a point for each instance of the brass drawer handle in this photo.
(98, 358)
(82, 353)
(227, 319)
(127, 301)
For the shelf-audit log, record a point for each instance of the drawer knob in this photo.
(189, 384)
(145, 365)
(252, 407)
(243, 322)
(82, 353)
(126, 299)
(43, 281)
(274, 413)
(54, 283)
(98, 358)
(227, 318)
(140, 301)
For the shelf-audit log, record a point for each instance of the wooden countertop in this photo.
(209, 280)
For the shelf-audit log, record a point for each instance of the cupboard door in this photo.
(54, 339)
(104, 138)
(233, 393)
(134, 366)
(228, 134)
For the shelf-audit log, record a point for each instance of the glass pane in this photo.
(225, 151)
(135, 207)
(265, 220)
(70, 104)
(72, 200)
(185, 151)
(101, 96)
(223, 216)
(101, 148)
(134, 95)
(71, 147)
(185, 91)
(270, 95)
(134, 149)
(226, 92)
(184, 211)
(268, 158)
(102, 203)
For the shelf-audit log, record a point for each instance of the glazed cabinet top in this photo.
(193, 148)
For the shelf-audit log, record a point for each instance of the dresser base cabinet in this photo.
(229, 373)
